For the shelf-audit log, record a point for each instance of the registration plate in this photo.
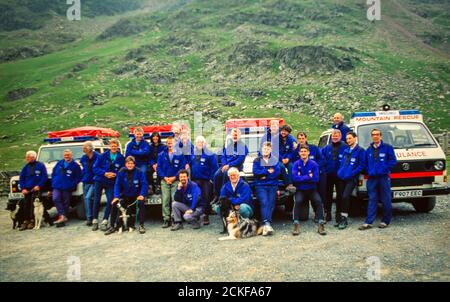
(154, 199)
(408, 194)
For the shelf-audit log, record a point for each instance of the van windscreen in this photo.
(399, 135)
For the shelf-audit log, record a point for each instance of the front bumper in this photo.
(429, 192)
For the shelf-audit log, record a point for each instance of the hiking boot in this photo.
(110, 231)
(89, 222)
(267, 230)
(321, 229)
(59, 219)
(141, 229)
(23, 226)
(177, 226)
(343, 224)
(206, 220)
(365, 226)
(166, 224)
(296, 229)
(104, 225)
(383, 225)
(95, 226)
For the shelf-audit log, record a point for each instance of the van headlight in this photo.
(439, 165)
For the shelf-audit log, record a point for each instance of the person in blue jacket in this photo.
(203, 166)
(139, 149)
(266, 170)
(332, 155)
(305, 175)
(87, 178)
(31, 181)
(105, 169)
(235, 195)
(380, 159)
(352, 163)
(338, 123)
(231, 156)
(188, 203)
(315, 154)
(65, 177)
(170, 163)
(156, 147)
(184, 146)
(130, 188)
(283, 145)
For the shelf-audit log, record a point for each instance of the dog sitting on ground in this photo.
(123, 219)
(239, 227)
(16, 213)
(39, 210)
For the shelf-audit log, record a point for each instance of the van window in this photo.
(323, 141)
(399, 135)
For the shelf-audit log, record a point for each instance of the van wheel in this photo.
(80, 210)
(424, 205)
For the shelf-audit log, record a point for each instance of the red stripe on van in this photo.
(413, 174)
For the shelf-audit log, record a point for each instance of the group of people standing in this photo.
(195, 182)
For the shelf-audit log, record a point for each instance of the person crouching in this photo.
(188, 204)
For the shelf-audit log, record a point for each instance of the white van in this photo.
(420, 174)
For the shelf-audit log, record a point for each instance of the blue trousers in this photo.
(286, 173)
(109, 192)
(88, 194)
(220, 178)
(379, 189)
(266, 196)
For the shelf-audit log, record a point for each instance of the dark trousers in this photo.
(206, 187)
(154, 183)
(130, 206)
(266, 196)
(286, 173)
(349, 186)
(304, 196)
(379, 190)
(220, 178)
(334, 182)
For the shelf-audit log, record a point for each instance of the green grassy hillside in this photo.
(301, 60)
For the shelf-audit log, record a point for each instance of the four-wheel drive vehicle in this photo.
(164, 131)
(51, 152)
(253, 131)
(420, 174)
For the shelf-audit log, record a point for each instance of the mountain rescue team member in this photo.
(156, 147)
(380, 159)
(332, 154)
(338, 123)
(266, 170)
(139, 149)
(305, 174)
(105, 169)
(130, 187)
(315, 154)
(31, 180)
(235, 195)
(231, 156)
(87, 178)
(283, 145)
(188, 203)
(169, 164)
(352, 163)
(65, 177)
(203, 166)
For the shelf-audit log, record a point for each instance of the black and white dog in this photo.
(16, 213)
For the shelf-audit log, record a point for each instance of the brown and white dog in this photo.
(239, 227)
